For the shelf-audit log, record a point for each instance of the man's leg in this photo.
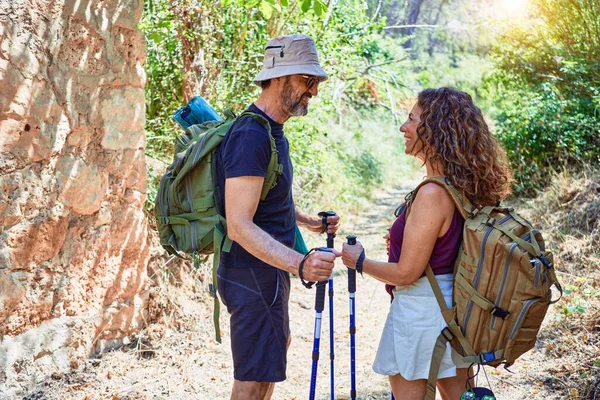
(252, 390)
(257, 302)
(270, 391)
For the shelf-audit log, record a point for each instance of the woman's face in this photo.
(409, 128)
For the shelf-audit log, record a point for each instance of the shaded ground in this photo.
(176, 357)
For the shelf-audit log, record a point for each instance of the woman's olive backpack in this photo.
(502, 280)
(189, 215)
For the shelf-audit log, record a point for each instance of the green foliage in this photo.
(164, 74)
(463, 71)
(578, 299)
(542, 130)
(200, 47)
(366, 167)
(547, 86)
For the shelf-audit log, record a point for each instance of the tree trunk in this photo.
(432, 40)
(414, 8)
(393, 13)
(201, 72)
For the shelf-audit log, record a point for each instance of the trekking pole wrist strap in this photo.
(307, 284)
(324, 224)
(359, 262)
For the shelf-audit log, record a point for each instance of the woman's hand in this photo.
(350, 254)
(387, 242)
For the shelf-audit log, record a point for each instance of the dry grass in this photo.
(568, 212)
(176, 357)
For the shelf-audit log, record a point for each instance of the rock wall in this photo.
(73, 235)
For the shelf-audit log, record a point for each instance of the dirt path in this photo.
(188, 364)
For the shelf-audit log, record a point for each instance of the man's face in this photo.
(296, 92)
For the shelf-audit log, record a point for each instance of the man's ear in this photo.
(278, 81)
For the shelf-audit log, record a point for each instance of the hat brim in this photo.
(279, 71)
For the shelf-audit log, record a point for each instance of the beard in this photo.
(295, 105)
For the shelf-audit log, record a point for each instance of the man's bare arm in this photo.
(314, 223)
(242, 195)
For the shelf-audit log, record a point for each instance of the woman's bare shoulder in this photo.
(434, 195)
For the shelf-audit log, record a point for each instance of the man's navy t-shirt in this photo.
(246, 151)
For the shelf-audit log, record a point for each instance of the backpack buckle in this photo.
(473, 213)
(545, 261)
(447, 331)
(498, 312)
(212, 290)
(487, 357)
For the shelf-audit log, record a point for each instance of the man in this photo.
(253, 277)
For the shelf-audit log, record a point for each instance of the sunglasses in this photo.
(310, 80)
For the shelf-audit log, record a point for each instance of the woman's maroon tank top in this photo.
(445, 249)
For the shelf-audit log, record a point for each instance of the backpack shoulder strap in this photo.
(274, 169)
(258, 118)
(462, 203)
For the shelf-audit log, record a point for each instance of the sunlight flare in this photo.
(514, 6)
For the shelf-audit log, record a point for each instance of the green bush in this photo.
(367, 168)
(545, 90)
(541, 131)
(164, 73)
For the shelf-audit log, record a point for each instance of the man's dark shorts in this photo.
(257, 299)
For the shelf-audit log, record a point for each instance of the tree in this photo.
(413, 10)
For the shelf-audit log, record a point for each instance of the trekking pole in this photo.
(391, 392)
(351, 294)
(319, 305)
(330, 237)
(388, 253)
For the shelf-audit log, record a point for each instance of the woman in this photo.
(448, 133)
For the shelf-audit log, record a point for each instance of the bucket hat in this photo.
(289, 55)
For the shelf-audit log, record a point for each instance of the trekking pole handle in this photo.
(351, 272)
(351, 240)
(320, 295)
(330, 236)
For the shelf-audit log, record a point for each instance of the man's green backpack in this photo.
(189, 212)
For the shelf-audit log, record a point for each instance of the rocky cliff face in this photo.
(73, 236)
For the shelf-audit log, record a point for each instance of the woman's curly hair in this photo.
(453, 131)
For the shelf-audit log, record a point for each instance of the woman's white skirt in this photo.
(411, 330)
